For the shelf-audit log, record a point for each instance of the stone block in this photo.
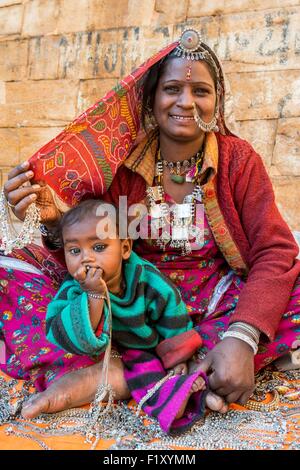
(74, 16)
(44, 53)
(141, 43)
(3, 174)
(40, 17)
(198, 8)
(122, 13)
(6, 3)
(39, 103)
(91, 55)
(171, 12)
(9, 147)
(11, 20)
(13, 60)
(286, 155)
(91, 91)
(31, 139)
(265, 95)
(287, 194)
(2, 92)
(261, 135)
(254, 41)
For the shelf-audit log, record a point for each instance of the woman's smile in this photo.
(182, 119)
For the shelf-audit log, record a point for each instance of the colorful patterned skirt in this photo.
(24, 297)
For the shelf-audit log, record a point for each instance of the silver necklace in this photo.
(175, 227)
(238, 430)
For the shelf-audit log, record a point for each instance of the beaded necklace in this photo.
(185, 170)
(175, 225)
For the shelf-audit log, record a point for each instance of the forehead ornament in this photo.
(191, 47)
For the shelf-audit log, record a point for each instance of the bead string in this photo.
(26, 234)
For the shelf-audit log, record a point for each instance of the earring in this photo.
(207, 126)
(150, 118)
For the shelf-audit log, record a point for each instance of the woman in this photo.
(242, 279)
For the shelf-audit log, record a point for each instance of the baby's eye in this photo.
(74, 251)
(99, 247)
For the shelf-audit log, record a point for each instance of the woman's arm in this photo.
(18, 190)
(271, 257)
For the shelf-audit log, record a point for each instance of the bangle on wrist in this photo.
(247, 329)
(243, 337)
(95, 295)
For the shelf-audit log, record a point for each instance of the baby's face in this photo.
(83, 247)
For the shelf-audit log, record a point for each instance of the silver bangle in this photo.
(243, 337)
(246, 328)
(94, 295)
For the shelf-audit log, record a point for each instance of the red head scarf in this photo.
(83, 159)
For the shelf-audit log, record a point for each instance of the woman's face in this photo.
(182, 84)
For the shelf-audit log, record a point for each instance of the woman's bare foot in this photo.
(75, 389)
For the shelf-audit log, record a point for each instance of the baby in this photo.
(147, 310)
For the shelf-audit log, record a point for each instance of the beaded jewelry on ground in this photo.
(237, 430)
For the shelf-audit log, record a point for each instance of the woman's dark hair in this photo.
(149, 85)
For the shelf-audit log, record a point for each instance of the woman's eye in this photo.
(172, 89)
(74, 251)
(99, 247)
(200, 91)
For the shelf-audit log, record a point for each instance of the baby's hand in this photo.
(90, 279)
(180, 369)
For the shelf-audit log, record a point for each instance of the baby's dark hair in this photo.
(81, 211)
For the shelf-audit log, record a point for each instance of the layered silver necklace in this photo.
(175, 226)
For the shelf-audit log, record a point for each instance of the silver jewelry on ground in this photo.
(26, 235)
(247, 339)
(236, 430)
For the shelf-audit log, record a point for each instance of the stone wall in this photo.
(58, 56)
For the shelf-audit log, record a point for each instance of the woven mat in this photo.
(120, 427)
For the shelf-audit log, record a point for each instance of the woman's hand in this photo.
(18, 190)
(230, 369)
(20, 194)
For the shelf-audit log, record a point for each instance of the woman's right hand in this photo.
(18, 190)
(20, 193)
